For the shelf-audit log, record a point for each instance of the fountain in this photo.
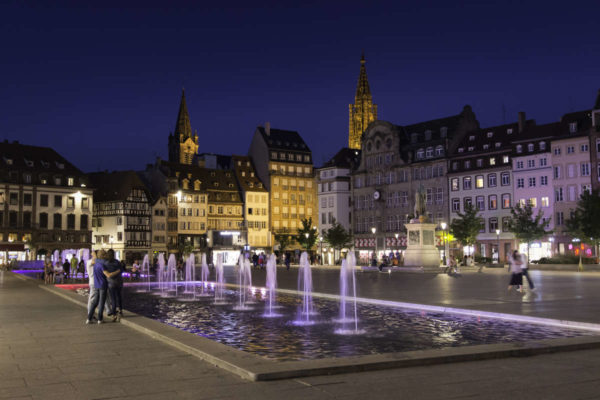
(145, 269)
(219, 281)
(245, 283)
(271, 284)
(190, 278)
(305, 287)
(348, 296)
(171, 277)
(160, 275)
(204, 273)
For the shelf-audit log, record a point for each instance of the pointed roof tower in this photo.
(183, 126)
(363, 111)
(362, 89)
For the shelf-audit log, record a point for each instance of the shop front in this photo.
(537, 250)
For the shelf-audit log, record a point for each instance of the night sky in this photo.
(102, 84)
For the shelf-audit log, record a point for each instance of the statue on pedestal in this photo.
(420, 201)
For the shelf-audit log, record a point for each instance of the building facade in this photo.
(256, 204)
(160, 211)
(283, 162)
(396, 163)
(480, 175)
(45, 205)
(122, 214)
(363, 111)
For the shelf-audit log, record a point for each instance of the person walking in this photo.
(287, 260)
(113, 269)
(516, 276)
(49, 270)
(525, 270)
(67, 269)
(100, 289)
(74, 264)
(93, 297)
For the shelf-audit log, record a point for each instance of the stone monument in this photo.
(420, 248)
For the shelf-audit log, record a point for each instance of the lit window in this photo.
(533, 202)
(479, 181)
(492, 160)
(505, 159)
(545, 202)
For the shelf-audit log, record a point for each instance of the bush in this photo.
(565, 259)
(482, 260)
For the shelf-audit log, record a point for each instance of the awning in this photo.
(12, 247)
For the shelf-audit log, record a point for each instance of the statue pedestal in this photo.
(420, 248)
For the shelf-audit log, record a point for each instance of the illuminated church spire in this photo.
(183, 145)
(363, 111)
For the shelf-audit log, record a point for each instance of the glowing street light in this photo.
(444, 225)
(374, 230)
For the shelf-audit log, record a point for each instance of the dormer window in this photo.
(8, 161)
(471, 138)
(490, 134)
(45, 164)
(185, 184)
(216, 184)
(498, 144)
(486, 146)
(429, 152)
(505, 159)
(492, 160)
(519, 148)
(212, 173)
(420, 154)
(29, 163)
(479, 162)
(467, 164)
(231, 185)
(70, 181)
(250, 184)
(509, 131)
(461, 149)
(60, 165)
(414, 137)
(542, 145)
(427, 135)
(471, 148)
(439, 151)
(530, 147)
(196, 185)
(444, 131)
(573, 127)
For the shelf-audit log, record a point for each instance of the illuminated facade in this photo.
(363, 111)
(284, 163)
(45, 204)
(122, 215)
(183, 145)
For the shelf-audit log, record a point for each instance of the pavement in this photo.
(47, 352)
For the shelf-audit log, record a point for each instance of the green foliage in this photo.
(525, 226)
(284, 238)
(185, 247)
(565, 259)
(337, 236)
(466, 227)
(307, 235)
(585, 223)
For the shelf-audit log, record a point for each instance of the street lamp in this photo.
(498, 245)
(321, 248)
(306, 235)
(111, 239)
(374, 230)
(443, 225)
(577, 240)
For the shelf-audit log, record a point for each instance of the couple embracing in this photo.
(107, 279)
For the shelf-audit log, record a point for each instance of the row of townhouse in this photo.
(456, 163)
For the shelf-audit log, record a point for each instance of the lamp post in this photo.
(306, 235)
(443, 225)
(576, 246)
(321, 248)
(374, 230)
(498, 244)
(111, 239)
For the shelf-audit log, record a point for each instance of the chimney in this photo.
(268, 128)
(521, 121)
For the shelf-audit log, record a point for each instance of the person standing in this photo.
(113, 269)
(135, 269)
(93, 297)
(525, 271)
(287, 260)
(67, 269)
(516, 276)
(49, 270)
(74, 264)
(100, 288)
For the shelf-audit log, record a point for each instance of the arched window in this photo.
(429, 152)
(439, 151)
(420, 154)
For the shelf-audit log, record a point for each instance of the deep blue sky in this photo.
(102, 83)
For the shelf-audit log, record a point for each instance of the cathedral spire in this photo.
(183, 126)
(363, 111)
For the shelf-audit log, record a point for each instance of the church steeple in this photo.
(363, 111)
(183, 126)
(183, 145)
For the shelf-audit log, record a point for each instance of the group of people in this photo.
(387, 260)
(519, 268)
(56, 272)
(105, 278)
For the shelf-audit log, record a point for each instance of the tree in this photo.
(307, 235)
(284, 238)
(338, 237)
(584, 222)
(185, 247)
(526, 227)
(466, 227)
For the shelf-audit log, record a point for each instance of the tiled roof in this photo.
(279, 139)
(246, 174)
(345, 158)
(116, 185)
